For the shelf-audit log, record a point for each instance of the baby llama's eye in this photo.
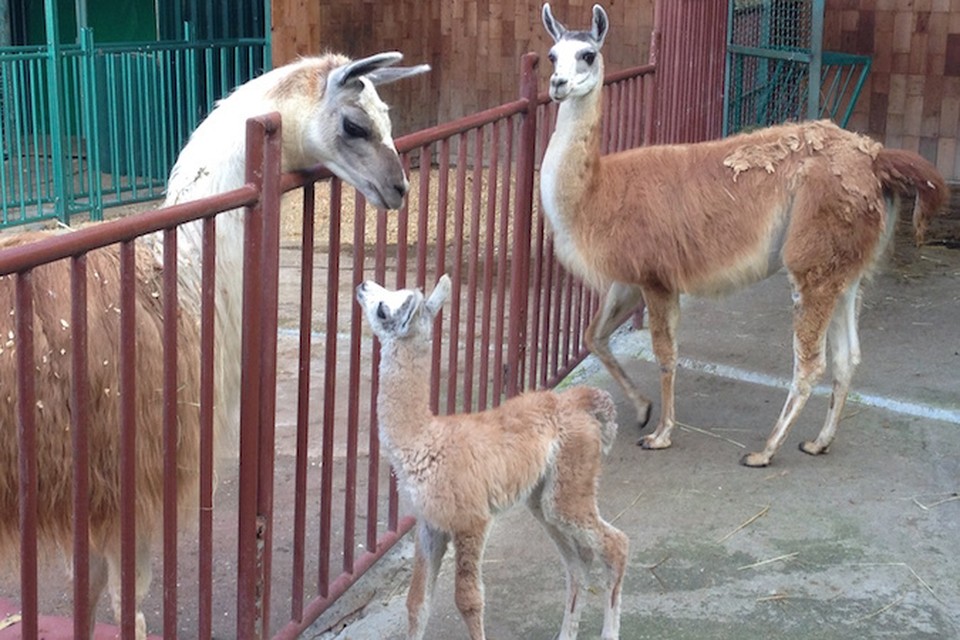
(354, 130)
(552, 57)
(381, 311)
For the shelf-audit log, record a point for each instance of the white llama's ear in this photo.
(344, 75)
(438, 296)
(388, 75)
(600, 24)
(552, 25)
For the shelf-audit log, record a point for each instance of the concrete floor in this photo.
(861, 543)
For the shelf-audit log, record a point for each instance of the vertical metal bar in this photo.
(27, 434)
(502, 268)
(329, 390)
(373, 441)
(128, 441)
(473, 258)
(443, 193)
(79, 438)
(248, 578)
(403, 229)
(207, 316)
(303, 401)
(423, 214)
(55, 113)
(521, 225)
(353, 417)
(268, 126)
(486, 310)
(170, 433)
(91, 108)
(458, 224)
(816, 60)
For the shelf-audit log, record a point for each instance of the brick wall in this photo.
(912, 98)
(474, 46)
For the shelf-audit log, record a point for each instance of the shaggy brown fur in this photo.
(714, 217)
(54, 353)
(462, 470)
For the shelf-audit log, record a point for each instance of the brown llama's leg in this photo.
(468, 590)
(664, 311)
(618, 303)
(431, 544)
(144, 574)
(845, 348)
(98, 582)
(812, 312)
(573, 564)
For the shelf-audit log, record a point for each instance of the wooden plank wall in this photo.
(912, 97)
(474, 46)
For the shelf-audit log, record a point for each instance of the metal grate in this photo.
(777, 70)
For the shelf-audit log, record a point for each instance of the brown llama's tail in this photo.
(907, 173)
(599, 404)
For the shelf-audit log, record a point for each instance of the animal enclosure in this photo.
(309, 506)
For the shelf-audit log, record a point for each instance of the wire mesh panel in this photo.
(777, 70)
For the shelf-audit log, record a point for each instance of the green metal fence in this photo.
(88, 126)
(777, 69)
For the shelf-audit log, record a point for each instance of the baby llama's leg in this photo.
(431, 544)
(469, 582)
(573, 563)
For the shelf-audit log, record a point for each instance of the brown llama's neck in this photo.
(570, 173)
(403, 399)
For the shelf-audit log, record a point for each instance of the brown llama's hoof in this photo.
(651, 443)
(755, 460)
(812, 448)
(644, 417)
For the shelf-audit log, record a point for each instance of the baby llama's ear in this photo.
(438, 296)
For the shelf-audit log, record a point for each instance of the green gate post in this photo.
(90, 119)
(816, 60)
(55, 114)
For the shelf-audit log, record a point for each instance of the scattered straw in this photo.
(628, 507)
(10, 620)
(951, 497)
(746, 523)
(774, 597)
(916, 575)
(652, 568)
(788, 556)
(881, 609)
(688, 427)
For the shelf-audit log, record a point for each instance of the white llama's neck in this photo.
(403, 400)
(569, 170)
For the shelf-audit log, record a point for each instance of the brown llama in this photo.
(714, 217)
(460, 471)
(331, 114)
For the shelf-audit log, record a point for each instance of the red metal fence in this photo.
(308, 506)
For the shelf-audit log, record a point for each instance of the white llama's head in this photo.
(350, 131)
(577, 63)
(402, 315)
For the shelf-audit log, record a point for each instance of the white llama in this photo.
(460, 471)
(331, 115)
(714, 217)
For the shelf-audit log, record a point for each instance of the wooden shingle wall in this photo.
(473, 46)
(912, 97)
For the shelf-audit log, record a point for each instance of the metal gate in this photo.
(777, 69)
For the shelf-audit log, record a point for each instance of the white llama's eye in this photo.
(354, 130)
(381, 311)
(552, 57)
(589, 57)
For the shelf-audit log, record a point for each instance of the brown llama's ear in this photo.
(551, 24)
(438, 296)
(600, 25)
